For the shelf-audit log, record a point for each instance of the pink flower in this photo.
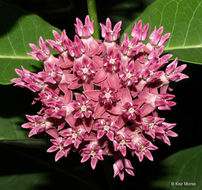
(112, 61)
(152, 125)
(107, 97)
(165, 132)
(130, 111)
(40, 54)
(138, 32)
(84, 31)
(143, 147)
(94, 152)
(120, 165)
(128, 75)
(109, 34)
(29, 80)
(60, 40)
(106, 126)
(58, 144)
(37, 124)
(103, 97)
(73, 136)
(76, 48)
(82, 107)
(122, 141)
(131, 48)
(156, 39)
(85, 70)
(174, 73)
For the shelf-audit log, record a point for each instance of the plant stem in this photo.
(92, 11)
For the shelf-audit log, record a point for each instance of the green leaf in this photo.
(181, 170)
(12, 133)
(23, 181)
(10, 129)
(15, 102)
(182, 18)
(16, 32)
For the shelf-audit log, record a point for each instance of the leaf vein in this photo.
(190, 21)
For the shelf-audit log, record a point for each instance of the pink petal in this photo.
(92, 94)
(149, 155)
(99, 110)
(85, 158)
(125, 95)
(90, 136)
(98, 61)
(116, 110)
(140, 156)
(114, 81)
(59, 155)
(171, 134)
(88, 124)
(100, 134)
(93, 162)
(116, 170)
(128, 164)
(123, 150)
(52, 149)
(166, 140)
(130, 172)
(100, 76)
(87, 86)
(52, 132)
(121, 175)
(32, 132)
(70, 120)
(75, 85)
(110, 135)
(146, 109)
(68, 97)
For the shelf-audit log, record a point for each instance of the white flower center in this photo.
(56, 109)
(93, 153)
(151, 125)
(131, 110)
(53, 74)
(106, 128)
(130, 46)
(107, 95)
(128, 75)
(85, 70)
(123, 142)
(112, 61)
(83, 108)
(49, 96)
(74, 135)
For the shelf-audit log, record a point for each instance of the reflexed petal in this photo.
(113, 80)
(52, 149)
(93, 162)
(85, 158)
(92, 94)
(59, 155)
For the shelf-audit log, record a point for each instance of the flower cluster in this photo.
(102, 97)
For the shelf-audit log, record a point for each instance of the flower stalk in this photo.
(92, 11)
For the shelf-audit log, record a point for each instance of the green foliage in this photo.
(182, 18)
(180, 170)
(17, 31)
(22, 181)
